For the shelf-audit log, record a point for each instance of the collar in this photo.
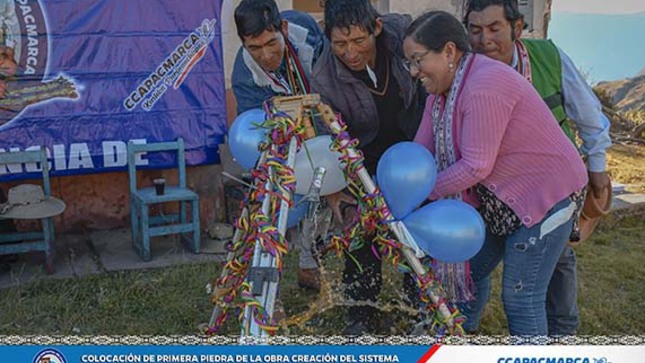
(516, 55)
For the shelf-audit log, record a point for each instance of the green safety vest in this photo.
(546, 75)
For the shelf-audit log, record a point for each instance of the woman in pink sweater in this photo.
(497, 147)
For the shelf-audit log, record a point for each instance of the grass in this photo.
(174, 301)
(163, 301)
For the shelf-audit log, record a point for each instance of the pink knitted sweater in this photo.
(509, 142)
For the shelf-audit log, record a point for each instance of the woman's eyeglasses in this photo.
(415, 62)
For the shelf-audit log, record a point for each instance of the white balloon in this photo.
(320, 154)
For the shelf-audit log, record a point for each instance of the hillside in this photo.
(625, 95)
(624, 103)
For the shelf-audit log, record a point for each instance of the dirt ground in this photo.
(626, 165)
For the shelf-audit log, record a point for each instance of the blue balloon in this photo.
(297, 212)
(244, 137)
(406, 174)
(448, 230)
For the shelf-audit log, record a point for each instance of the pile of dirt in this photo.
(626, 165)
(624, 104)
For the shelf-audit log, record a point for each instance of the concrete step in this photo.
(624, 201)
(79, 254)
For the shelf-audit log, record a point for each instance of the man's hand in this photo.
(598, 181)
(334, 201)
(8, 67)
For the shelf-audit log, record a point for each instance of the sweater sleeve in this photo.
(425, 135)
(484, 119)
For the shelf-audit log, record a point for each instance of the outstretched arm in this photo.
(584, 109)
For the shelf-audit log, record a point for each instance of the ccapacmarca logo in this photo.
(24, 52)
(173, 70)
(49, 355)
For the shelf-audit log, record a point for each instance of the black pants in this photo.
(362, 285)
(366, 285)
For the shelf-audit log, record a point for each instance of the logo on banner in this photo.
(551, 360)
(49, 356)
(173, 70)
(24, 58)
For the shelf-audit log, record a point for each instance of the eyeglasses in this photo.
(415, 62)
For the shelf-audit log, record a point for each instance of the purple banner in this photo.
(83, 77)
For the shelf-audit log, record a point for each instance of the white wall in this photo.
(416, 8)
(456, 7)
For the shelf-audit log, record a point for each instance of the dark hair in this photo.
(253, 17)
(511, 9)
(341, 14)
(436, 28)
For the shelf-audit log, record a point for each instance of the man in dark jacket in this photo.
(276, 58)
(277, 54)
(362, 76)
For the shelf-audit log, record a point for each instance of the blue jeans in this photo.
(561, 305)
(529, 261)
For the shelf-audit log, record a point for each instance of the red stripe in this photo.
(296, 60)
(190, 65)
(426, 357)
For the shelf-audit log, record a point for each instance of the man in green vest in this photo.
(494, 28)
